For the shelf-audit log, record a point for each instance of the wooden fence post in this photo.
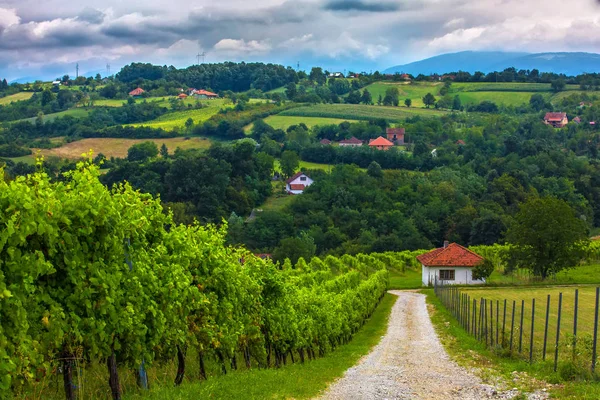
(546, 328)
(575, 323)
(512, 324)
(532, 330)
(557, 332)
(521, 326)
(594, 347)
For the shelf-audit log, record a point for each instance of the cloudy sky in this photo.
(46, 38)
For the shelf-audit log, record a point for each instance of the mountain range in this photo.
(488, 61)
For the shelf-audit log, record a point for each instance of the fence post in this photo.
(474, 319)
(485, 321)
(532, 330)
(595, 332)
(512, 325)
(557, 332)
(491, 323)
(521, 326)
(480, 320)
(504, 323)
(546, 328)
(497, 319)
(575, 323)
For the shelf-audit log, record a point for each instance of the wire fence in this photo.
(562, 328)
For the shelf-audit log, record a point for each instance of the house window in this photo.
(302, 178)
(447, 274)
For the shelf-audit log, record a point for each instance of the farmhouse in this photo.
(325, 141)
(577, 120)
(556, 119)
(451, 265)
(336, 75)
(137, 92)
(204, 94)
(352, 142)
(395, 135)
(381, 143)
(182, 96)
(297, 183)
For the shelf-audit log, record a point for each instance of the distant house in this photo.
(556, 119)
(182, 96)
(460, 142)
(325, 141)
(450, 265)
(297, 183)
(405, 77)
(204, 94)
(577, 120)
(137, 92)
(352, 142)
(381, 143)
(336, 75)
(56, 83)
(395, 135)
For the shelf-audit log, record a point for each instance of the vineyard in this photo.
(93, 276)
(360, 112)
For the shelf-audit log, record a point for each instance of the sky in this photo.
(47, 38)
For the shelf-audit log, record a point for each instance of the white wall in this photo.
(307, 182)
(462, 276)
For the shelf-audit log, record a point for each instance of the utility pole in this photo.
(76, 70)
(107, 70)
(199, 56)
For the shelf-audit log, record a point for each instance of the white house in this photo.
(297, 183)
(450, 265)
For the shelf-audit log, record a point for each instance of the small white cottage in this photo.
(297, 183)
(450, 265)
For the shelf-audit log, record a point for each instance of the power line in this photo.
(77, 70)
(201, 55)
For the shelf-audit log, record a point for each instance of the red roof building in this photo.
(381, 143)
(395, 135)
(182, 96)
(137, 92)
(297, 183)
(325, 141)
(556, 119)
(204, 94)
(460, 142)
(351, 142)
(451, 264)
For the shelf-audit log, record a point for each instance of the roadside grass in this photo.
(113, 147)
(495, 368)
(360, 112)
(293, 381)
(15, 97)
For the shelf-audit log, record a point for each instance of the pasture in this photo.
(15, 97)
(178, 119)
(111, 147)
(284, 122)
(414, 91)
(360, 112)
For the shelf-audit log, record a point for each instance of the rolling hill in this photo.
(486, 61)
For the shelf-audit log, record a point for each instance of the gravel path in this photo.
(410, 363)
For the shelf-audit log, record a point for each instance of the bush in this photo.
(13, 150)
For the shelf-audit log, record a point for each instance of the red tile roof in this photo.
(137, 92)
(397, 131)
(352, 140)
(452, 256)
(460, 142)
(182, 96)
(555, 116)
(381, 141)
(202, 92)
(296, 175)
(325, 141)
(297, 186)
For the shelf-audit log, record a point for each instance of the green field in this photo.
(505, 87)
(413, 91)
(505, 98)
(177, 119)
(360, 112)
(585, 317)
(74, 112)
(15, 97)
(284, 122)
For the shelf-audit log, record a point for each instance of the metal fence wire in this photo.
(563, 327)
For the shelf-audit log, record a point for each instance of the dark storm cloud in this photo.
(359, 5)
(91, 15)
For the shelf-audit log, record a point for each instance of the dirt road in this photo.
(410, 363)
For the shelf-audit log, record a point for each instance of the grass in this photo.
(360, 112)
(30, 159)
(178, 119)
(15, 97)
(284, 122)
(497, 368)
(584, 274)
(294, 381)
(409, 279)
(112, 147)
(505, 98)
(414, 91)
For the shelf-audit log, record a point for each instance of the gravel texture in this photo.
(410, 363)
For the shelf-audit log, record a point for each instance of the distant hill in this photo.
(487, 61)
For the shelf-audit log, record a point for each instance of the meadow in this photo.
(413, 91)
(360, 112)
(111, 147)
(15, 97)
(178, 119)
(284, 122)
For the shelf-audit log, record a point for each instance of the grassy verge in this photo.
(498, 369)
(409, 279)
(298, 381)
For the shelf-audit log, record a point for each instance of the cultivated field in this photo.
(178, 119)
(360, 112)
(118, 147)
(284, 122)
(15, 97)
